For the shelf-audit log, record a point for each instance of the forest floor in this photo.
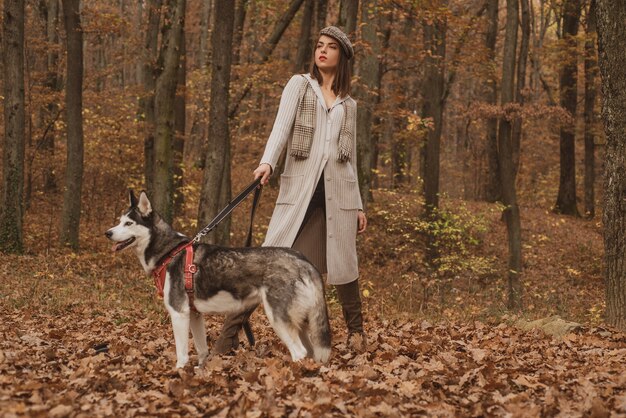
(84, 334)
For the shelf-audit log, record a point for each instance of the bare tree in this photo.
(240, 19)
(566, 199)
(53, 83)
(194, 146)
(433, 92)
(432, 106)
(516, 135)
(11, 210)
(164, 98)
(491, 189)
(591, 74)
(216, 182)
(540, 21)
(303, 57)
(148, 76)
(611, 45)
(505, 161)
(400, 152)
(366, 92)
(348, 14)
(70, 218)
(321, 9)
(180, 122)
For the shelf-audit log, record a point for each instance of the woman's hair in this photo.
(343, 78)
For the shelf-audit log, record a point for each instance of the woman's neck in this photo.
(327, 79)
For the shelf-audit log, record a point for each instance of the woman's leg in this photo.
(317, 201)
(350, 299)
(228, 339)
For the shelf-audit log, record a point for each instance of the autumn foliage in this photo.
(83, 334)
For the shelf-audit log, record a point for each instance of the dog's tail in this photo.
(319, 327)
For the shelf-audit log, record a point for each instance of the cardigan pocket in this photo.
(347, 194)
(290, 187)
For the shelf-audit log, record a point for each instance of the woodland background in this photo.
(482, 160)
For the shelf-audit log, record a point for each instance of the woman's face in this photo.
(327, 53)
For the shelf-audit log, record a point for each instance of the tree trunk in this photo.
(611, 45)
(240, 19)
(194, 146)
(566, 199)
(146, 103)
(540, 25)
(348, 14)
(432, 107)
(368, 69)
(164, 97)
(303, 57)
(11, 210)
(52, 83)
(505, 154)
(385, 22)
(180, 120)
(400, 154)
(70, 218)
(321, 9)
(591, 73)
(205, 17)
(491, 189)
(215, 190)
(100, 62)
(516, 135)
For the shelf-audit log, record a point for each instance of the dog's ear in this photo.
(144, 205)
(132, 199)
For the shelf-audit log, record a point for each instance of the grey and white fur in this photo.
(230, 280)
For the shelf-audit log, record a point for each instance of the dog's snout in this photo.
(108, 234)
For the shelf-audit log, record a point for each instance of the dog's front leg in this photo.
(199, 336)
(180, 324)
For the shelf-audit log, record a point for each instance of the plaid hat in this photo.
(342, 38)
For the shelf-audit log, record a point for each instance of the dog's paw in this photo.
(202, 358)
(181, 363)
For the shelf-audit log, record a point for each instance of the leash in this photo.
(230, 207)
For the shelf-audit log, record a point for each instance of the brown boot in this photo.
(228, 341)
(350, 299)
(357, 342)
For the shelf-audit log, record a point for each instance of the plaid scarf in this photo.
(304, 126)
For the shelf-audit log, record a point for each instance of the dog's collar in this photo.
(190, 268)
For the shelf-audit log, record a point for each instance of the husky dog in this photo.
(229, 280)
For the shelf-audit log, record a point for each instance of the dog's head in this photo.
(134, 224)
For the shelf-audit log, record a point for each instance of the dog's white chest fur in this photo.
(223, 302)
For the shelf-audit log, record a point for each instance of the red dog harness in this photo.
(190, 268)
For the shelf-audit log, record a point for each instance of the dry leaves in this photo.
(81, 365)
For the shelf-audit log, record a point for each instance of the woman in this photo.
(318, 210)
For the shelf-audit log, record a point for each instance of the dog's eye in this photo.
(128, 223)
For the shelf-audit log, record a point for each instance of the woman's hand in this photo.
(264, 171)
(362, 222)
